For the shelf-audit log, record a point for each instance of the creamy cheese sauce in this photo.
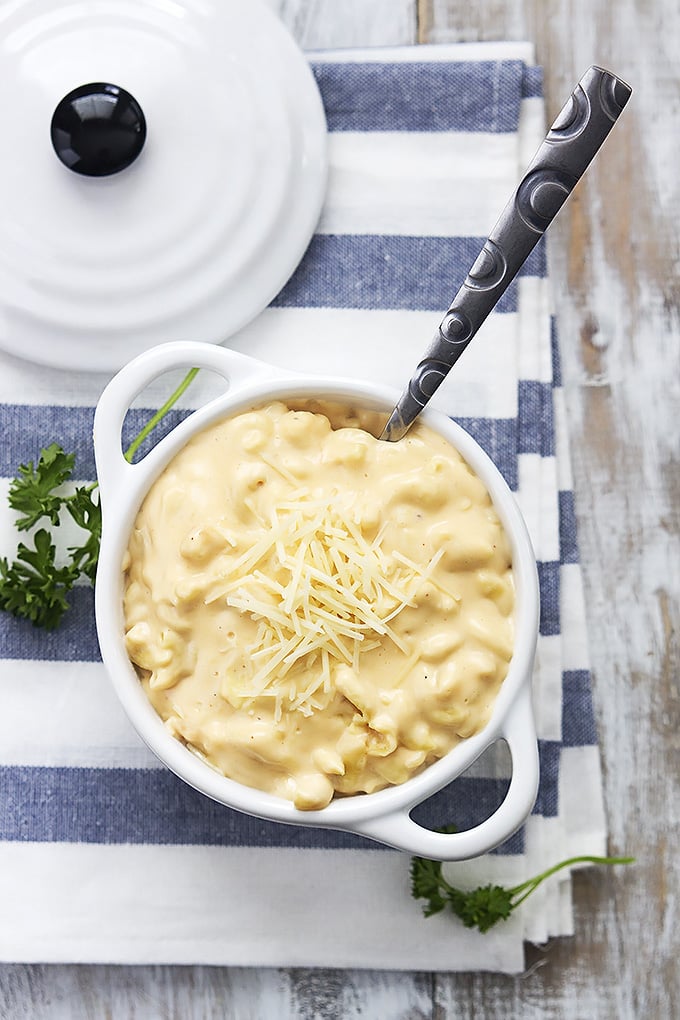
(315, 612)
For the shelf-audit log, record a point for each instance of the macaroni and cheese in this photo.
(315, 612)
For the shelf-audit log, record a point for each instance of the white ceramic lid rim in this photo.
(200, 233)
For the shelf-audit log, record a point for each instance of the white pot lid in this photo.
(200, 231)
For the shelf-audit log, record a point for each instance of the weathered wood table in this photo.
(615, 267)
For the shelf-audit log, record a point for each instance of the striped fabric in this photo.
(104, 855)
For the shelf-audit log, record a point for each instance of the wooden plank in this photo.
(321, 24)
(140, 993)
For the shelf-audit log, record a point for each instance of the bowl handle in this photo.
(113, 470)
(399, 830)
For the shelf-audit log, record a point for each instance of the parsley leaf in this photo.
(88, 515)
(34, 587)
(426, 879)
(483, 907)
(32, 491)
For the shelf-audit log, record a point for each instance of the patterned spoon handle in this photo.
(578, 132)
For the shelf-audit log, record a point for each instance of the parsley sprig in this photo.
(35, 586)
(483, 907)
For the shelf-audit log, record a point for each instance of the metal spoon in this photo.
(571, 143)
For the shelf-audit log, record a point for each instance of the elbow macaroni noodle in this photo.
(315, 612)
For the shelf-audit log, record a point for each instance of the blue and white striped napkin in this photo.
(104, 855)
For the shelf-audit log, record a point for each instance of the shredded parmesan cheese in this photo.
(315, 585)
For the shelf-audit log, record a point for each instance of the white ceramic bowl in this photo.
(385, 815)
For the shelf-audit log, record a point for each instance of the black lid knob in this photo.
(98, 129)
